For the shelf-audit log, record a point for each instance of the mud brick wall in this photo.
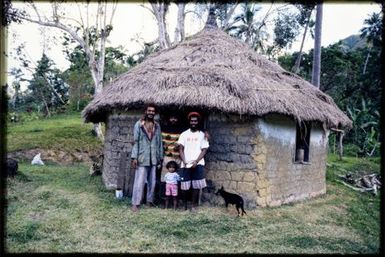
(255, 159)
(289, 181)
(117, 149)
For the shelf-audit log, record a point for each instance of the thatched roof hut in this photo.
(269, 128)
(215, 71)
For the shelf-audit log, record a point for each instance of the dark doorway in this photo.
(181, 114)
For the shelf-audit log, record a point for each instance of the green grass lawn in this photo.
(65, 132)
(58, 208)
(62, 209)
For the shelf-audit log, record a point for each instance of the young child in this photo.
(171, 178)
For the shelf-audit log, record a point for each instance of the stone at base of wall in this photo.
(212, 199)
(314, 194)
(292, 198)
(261, 201)
(109, 186)
(274, 203)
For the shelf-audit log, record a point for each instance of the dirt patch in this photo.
(56, 156)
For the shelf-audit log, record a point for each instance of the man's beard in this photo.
(149, 117)
(193, 127)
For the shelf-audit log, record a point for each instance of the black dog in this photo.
(232, 198)
(12, 167)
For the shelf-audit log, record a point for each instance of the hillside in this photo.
(353, 42)
(63, 138)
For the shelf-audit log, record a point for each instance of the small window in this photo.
(302, 142)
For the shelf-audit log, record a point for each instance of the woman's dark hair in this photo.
(172, 164)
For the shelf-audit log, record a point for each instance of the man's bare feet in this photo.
(150, 204)
(134, 208)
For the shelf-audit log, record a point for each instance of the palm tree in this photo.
(372, 32)
(247, 28)
(372, 29)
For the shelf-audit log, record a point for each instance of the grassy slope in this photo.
(64, 132)
(62, 209)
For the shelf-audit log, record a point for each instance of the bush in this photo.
(351, 150)
(29, 116)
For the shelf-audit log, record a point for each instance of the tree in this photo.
(78, 77)
(343, 80)
(372, 32)
(246, 26)
(224, 12)
(286, 29)
(116, 62)
(17, 97)
(253, 30)
(43, 80)
(90, 38)
(180, 30)
(138, 57)
(304, 19)
(30, 65)
(159, 10)
(9, 14)
(316, 72)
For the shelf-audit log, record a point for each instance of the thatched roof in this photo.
(212, 70)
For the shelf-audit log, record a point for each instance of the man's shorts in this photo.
(171, 189)
(194, 176)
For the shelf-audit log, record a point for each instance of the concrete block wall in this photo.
(117, 148)
(234, 158)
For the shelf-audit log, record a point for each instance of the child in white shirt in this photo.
(171, 178)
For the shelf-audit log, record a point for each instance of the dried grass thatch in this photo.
(215, 71)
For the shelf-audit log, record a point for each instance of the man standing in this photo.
(193, 147)
(147, 153)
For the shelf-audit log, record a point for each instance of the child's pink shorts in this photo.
(171, 189)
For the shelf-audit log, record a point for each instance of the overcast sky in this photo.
(132, 21)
